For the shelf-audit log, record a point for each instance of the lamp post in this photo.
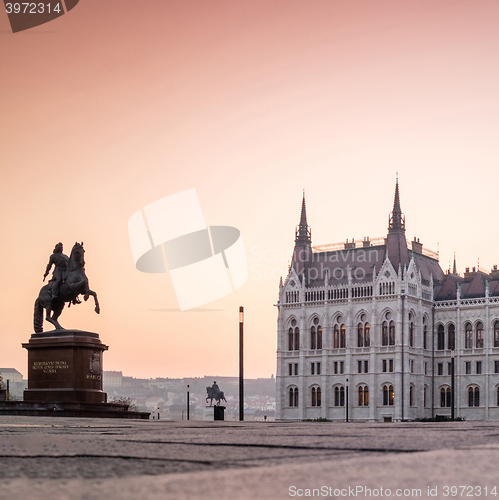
(452, 384)
(187, 401)
(346, 402)
(241, 363)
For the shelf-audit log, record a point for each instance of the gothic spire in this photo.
(303, 218)
(303, 231)
(396, 221)
(454, 268)
(396, 244)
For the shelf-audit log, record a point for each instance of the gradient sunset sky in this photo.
(120, 103)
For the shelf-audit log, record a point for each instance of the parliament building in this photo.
(375, 330)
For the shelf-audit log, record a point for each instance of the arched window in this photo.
(291, 396)
(343, 336)
(296, 396)
(319, 337)
(314, 397)
(425, 391)
(363, 395)
(313, 338)
(411, 396)
(291, 343)
(294, 337)
(388, 395)
(336, 337)
(411, 334)
(440, 338)
(479, 336)
(425, 333)
(392, 333)
(339, 396)
(474, 396)
(360, 335)
(451, 337)
(384, 336)
(468, 336)
(445, 397)
(319, 398)
(367, 335)
(496, 334)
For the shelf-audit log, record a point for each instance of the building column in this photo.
(302, 396)
(324, 360)
(457, 362)
(488, 345)
(279, 371)
(373, 368)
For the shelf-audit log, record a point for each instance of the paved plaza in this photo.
(107, 459)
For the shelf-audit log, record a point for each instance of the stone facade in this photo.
(370, 328)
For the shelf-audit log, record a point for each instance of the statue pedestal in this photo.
(219, 413)
(65, 379)
(65, 366)
(211, 413)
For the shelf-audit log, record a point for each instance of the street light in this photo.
(346, 401)
(187, 401)
(241, 363)
(452, 384)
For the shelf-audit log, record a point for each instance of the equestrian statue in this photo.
(214, 392)
(67, 283)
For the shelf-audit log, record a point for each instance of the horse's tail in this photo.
(38, 317)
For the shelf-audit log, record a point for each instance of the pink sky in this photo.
(118, 104)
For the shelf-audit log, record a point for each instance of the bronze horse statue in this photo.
(75, 283)
(214, 394)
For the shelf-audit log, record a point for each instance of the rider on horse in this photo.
(60, 262)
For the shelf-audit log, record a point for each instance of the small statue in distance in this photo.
(214, 392)
(68, 282)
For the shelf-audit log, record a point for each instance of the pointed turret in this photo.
(302, 234)
(303, 243)
(454, 267)
(396, 244)
(396, 220)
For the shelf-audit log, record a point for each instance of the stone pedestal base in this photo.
(65, 366)
(219, 412)
(86, 410)
(213, 413)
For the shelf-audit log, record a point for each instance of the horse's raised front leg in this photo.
(94, 295)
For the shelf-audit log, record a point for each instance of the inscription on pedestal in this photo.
(50, 366)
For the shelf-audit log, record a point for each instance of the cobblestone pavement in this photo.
(65, 458)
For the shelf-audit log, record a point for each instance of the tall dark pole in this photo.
(346, 402)
(187, 402)
(241, 363)
(452, 384)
